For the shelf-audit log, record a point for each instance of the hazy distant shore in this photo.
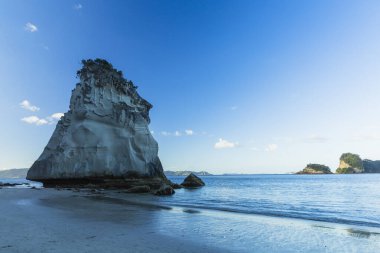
(50, 220)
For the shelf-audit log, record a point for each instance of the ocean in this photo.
(341, 199)
(255, 213)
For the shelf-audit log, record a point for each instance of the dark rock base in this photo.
(132, 185)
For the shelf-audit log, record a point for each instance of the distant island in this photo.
(185, 173)
(13, 173)
(313, 168)
(352, 163)
(349, 163)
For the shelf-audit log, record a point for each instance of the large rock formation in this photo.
(350, 163)
(312, 168)
(104, 138)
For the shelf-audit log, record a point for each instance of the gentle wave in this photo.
(342, 199)
(283, 215)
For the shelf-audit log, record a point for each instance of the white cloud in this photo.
(35, 120)
(152, 132)
(164, 133)
(271, 148)
(189, 132)
(57, 115)
(52, 119)
(77, 7)
(28, 106)
(177, 133)
(224, 144)
(30, 27)
(233, 108)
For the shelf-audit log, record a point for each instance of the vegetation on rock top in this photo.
(313, 168)
(350, 163)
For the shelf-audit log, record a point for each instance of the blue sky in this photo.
(237, 86)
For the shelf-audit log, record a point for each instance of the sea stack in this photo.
(104, 138)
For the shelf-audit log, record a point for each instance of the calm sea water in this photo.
(345, 199)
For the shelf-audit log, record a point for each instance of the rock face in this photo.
(371, 166)
(315, 169)
(192, 181)
(104, 137)
(350, 163)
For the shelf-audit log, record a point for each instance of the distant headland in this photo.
(349, 163)
(185, 173)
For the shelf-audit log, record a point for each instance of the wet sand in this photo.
(50, 220)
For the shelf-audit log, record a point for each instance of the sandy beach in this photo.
(51, 220)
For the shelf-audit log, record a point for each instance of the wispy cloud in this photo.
(366, 137)
(314, 138)
(233, 108)
(34, 120)
(56, 116)
(30, 27)
(25, 104)
(77, 7)
(271, 147)
(225, 144)
(177, 133)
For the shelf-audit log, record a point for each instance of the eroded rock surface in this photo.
(349, 164)
(104, 137)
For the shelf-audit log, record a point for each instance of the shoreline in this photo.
(51, 220)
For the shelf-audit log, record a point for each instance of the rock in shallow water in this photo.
(139, 189)
(104, 137)
(165, 190)
(192, 181)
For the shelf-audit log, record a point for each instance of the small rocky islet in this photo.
(313, 168)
